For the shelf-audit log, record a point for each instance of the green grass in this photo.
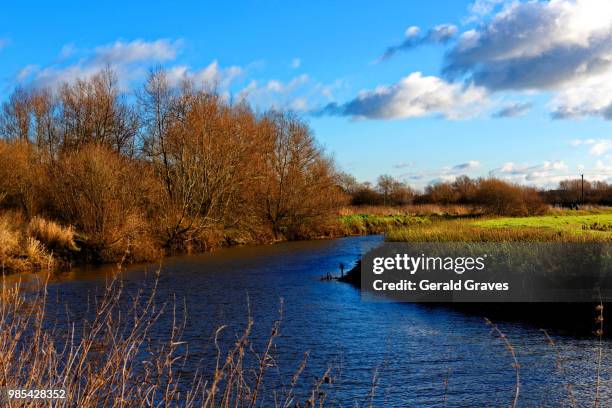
(559, 227)
(378, 224)
(578, 224)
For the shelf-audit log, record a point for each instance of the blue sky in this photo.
(519, 90)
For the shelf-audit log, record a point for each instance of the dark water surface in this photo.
(413, 350)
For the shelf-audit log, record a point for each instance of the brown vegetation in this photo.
(178, 169)
(576, 191)
(27, 247)
(481, 196)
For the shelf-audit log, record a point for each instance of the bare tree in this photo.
(15, 116)
(95, 111)
(200, 149)
(300, 184)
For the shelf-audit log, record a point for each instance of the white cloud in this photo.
(296, 63)
(298, 105)
(211, 77)
(564, 46)
(413, 96)
(481, 8)
(604, 167)
(597, 147)
(412, 31)
(439, 34)
(544, 174)
(128, 59)
(274, 86)
(297, 94)
(445, 174)
(125, 53)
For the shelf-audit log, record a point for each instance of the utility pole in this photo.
(582, 190)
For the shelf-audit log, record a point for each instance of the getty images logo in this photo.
(413, 264)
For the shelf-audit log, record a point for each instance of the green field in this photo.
(565, 226)
(570, 223)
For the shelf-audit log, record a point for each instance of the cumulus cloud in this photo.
(445, 174)
(480, 8)
(299, 93)
(562, 45)
(439, 34)
(128, 59)
(413, 96)
(513, 110)
(597, 147)
(547, 173)
(125, 53)
(211, 76)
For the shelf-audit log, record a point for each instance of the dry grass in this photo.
(37, 255)
(515, 364)
(39, 244)
(9, 238)
(413, 210)
(53, 235)
(111, 361)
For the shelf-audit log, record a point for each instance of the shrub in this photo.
(18, 250)
(20, 177)
(502, 198)
(100, 193)
(37, 255)
(9, 243)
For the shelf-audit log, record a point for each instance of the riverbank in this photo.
(42, 244)
(594, 225)
(403, 347)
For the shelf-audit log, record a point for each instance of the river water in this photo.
(420, 356)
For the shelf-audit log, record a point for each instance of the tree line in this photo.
(493, 195)
(176, 167)
(168, 166)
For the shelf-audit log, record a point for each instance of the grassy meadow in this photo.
(590, 225)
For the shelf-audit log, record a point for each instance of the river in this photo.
(422, 356)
